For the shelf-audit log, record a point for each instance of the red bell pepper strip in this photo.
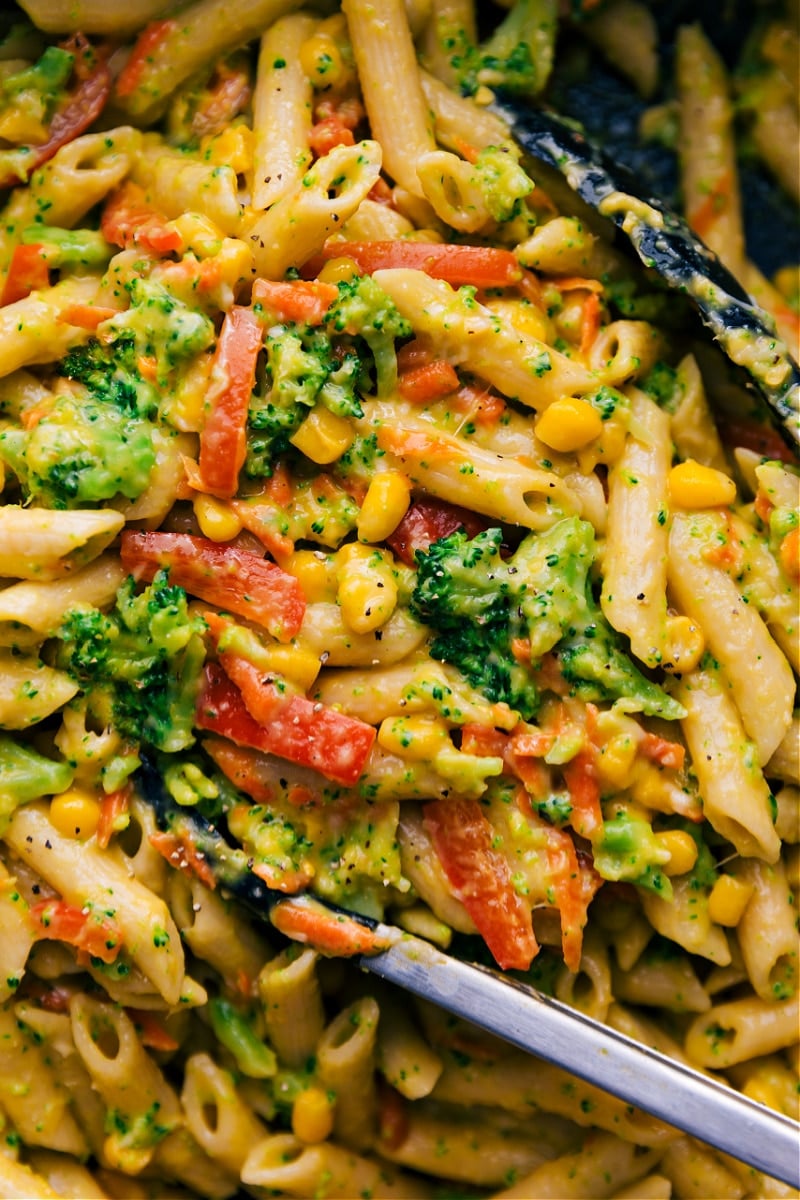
(231, 579)
(223, 442)
(98, 936)
(327, 134)
(427, 520)
(479, 266)
(27, 272)
(245, 768)
(300, 300)
(81, 110)
(481, 879)
(113, 815)
(288, 725)
(129, 221)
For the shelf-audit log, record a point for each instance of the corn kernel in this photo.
(231, 148)
(323, 436)
(569, 424)
(682, 851)
(315, 572)
(616, 759)
(321, 60)
(728, 899)
(525, 317)
(693, 485)
(339, 270)
(384, 507)
(312, 1116)
(416, 737)
(294, 663)
(216, 519)
(75, 813)
(684, 644)
(367, 591)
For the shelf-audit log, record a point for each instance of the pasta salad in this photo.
(363, 501)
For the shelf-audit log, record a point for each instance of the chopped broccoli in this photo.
(27, 775)
(110, 372)
(519, 54)
(145, 656)
(479, 604)
(69, 247)
(162, 326)
(502, 181)
(364, 309)
(82, 451)
(628, 849)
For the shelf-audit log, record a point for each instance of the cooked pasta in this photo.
(361, 504)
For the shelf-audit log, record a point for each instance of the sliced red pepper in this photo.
(479, 266)
(129, 221)
(290, 726)
(231, 579)
(27, 272)
(245, 769)
(98, 936)
(299, 300)
(223, 442)
(481, 879)
(81, 110)
(306, 920)
(757, 436)
(427, 520)
(660, 750)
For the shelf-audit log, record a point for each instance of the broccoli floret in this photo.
(628, 849)
(502, 180)
(26, 775)
(161, 326)
(480, 604)
(519, 54)
(81, 452)
(145, 657)
(364, 309)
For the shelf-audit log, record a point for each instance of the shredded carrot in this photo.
(27, 273)
(151, 1032)
(180, 852)
(763, 506)
(148, 367)
(578, 283)
(328, 134)
(147, 43)
(590, 325)
(86, 316)
(113, 814)
(482, 405)
(305, 920)
(301, 300)
(413, 443)
(704, 216)
(465, 149)
(479, 266)
(288, 881)
(428, 382)
(789, 553)
(660, 750)
(279, 486)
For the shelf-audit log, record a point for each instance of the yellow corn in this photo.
(728, 899)
(616, 759)
(323, 437)
(684, 644)
(294, 663)
(216, 519)
(75, 813)
(416, 737)
(321, 60)
(315, 572)
(682, 851)
(611, 442)
(384, 507)
(569, 424)
(367, 589)
(312, 1116)
(693, 485)
(231, 148)
(339, 270)
(525, 317)
(199, 234)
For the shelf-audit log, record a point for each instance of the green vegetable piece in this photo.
(69, 247)
(628, 849)
(253, 1057)
(48, 76)
(27, 775)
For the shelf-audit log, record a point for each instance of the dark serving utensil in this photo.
(515, 1012)
(663, 242)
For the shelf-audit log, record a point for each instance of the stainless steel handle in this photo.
(524, 1017)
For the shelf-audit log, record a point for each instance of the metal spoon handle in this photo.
(677, 1094)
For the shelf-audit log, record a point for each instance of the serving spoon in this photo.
(664, 243)
(515, 1012)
